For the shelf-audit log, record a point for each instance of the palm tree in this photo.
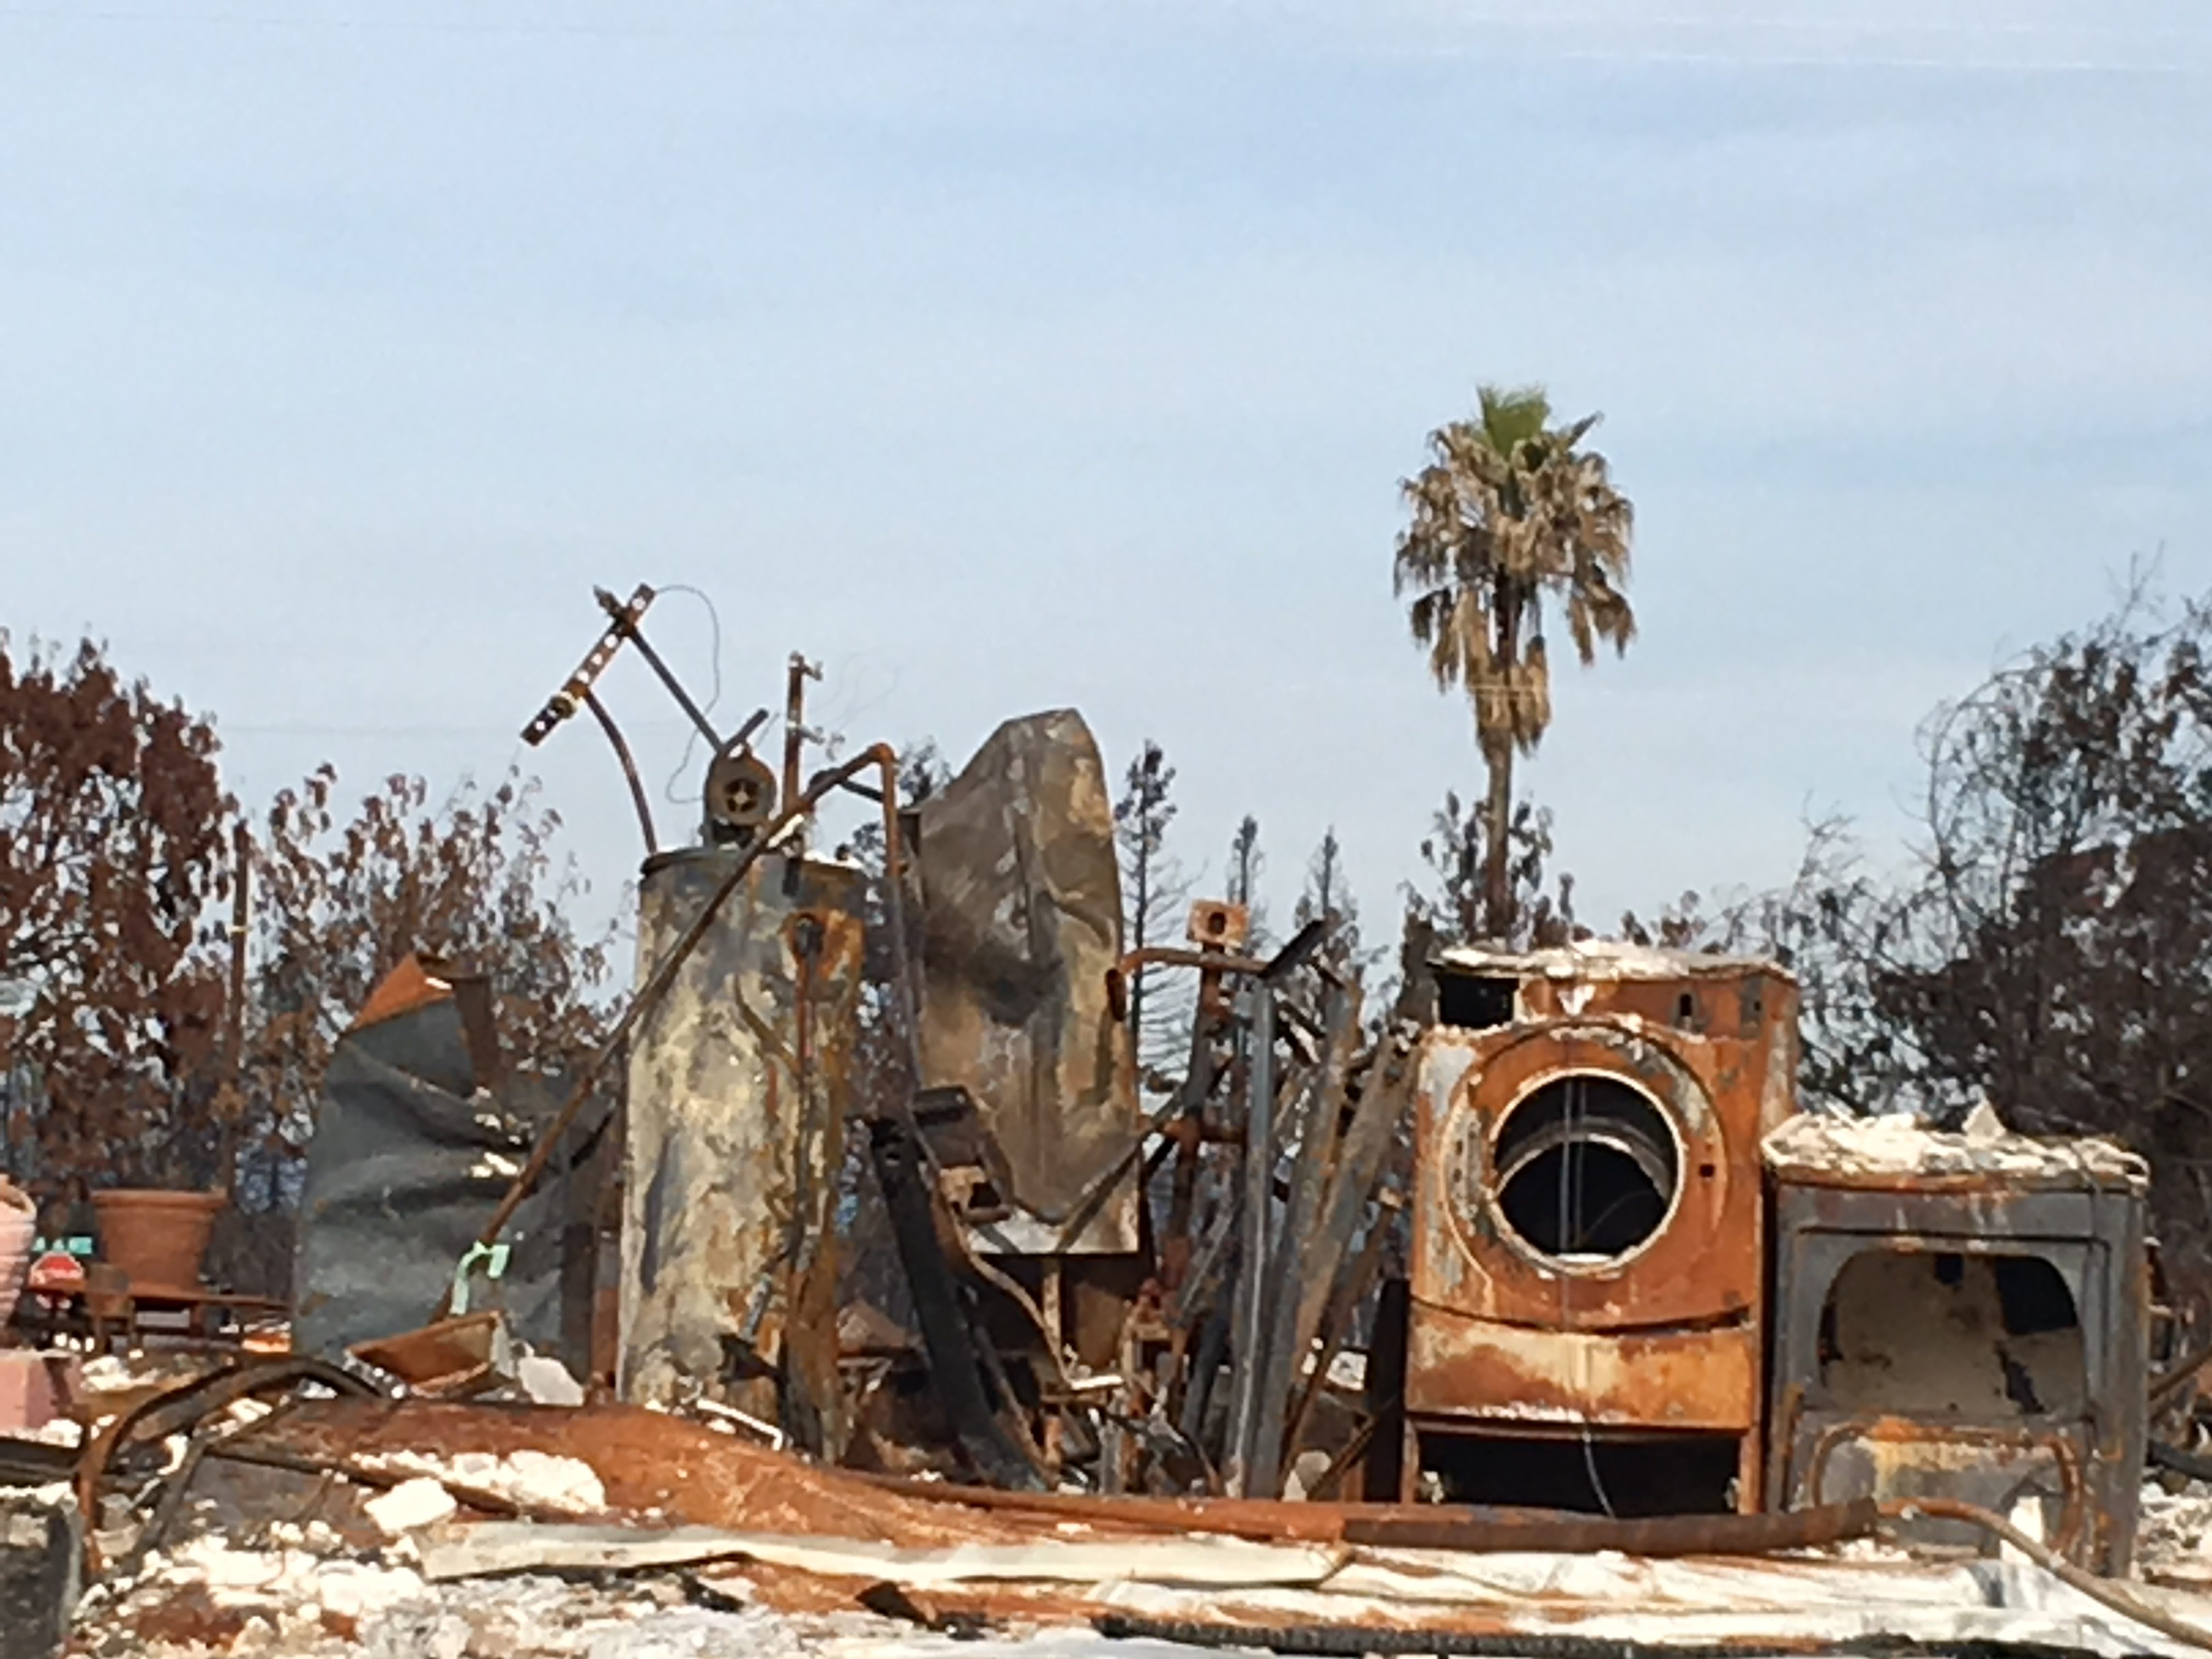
(1511, 513)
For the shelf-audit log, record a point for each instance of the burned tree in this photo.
(1153, 895)
(1246, 863)
(113, 832)
(2050, 950)
(1450, 906)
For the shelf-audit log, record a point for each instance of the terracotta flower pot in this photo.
(158, 1239)
(19, 1225)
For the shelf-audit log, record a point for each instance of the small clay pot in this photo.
(157, 1238)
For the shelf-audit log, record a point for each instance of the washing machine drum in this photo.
(1590, 1182)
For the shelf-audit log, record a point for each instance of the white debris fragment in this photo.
(421, 1502)
(547, 1380)
(1348, 1369)
(61, 1431)
(2173, 1542)
(1590, 959)
(354, 1590)
(531, 1480)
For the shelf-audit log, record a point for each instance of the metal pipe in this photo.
(1273, 1519)
(1174, 956)
(630, 769)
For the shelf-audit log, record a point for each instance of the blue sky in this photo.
(1007, 356)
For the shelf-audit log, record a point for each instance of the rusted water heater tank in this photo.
(1589, 1259)
(737, 1083)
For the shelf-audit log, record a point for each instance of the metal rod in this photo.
(630, 769)
(628, 625)
(794, 718)
(1248, 1343)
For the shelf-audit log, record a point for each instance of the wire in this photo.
(1572, 1223)
(691, 735)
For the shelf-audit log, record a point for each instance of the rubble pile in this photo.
(1526, 1311)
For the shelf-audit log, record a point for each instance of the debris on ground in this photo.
(1526, 1308)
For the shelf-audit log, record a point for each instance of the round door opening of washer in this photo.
(1587, 1170)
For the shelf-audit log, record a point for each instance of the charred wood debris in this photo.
(859, 1272)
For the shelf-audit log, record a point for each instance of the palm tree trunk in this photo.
(1497, 815)
(1495, 724)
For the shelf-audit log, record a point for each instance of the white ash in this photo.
(532, 1480)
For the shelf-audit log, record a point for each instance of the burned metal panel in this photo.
(1021, 919)
(1705, 1380)
(738, 1084)
(1966, 1339)
(409, 1157)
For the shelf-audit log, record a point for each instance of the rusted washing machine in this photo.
(1589, 1258)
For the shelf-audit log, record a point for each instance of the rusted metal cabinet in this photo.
(1589, 1254)
(1961, 1317)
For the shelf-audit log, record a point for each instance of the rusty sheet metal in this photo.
(737, 1083)
(1021, 922)
(2005, 1470)
(1662, 1379)
(447, 1358)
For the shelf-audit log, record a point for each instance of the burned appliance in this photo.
(1588, 1266)
(734, 1131)
(746, 1018)
(1962, 1316)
